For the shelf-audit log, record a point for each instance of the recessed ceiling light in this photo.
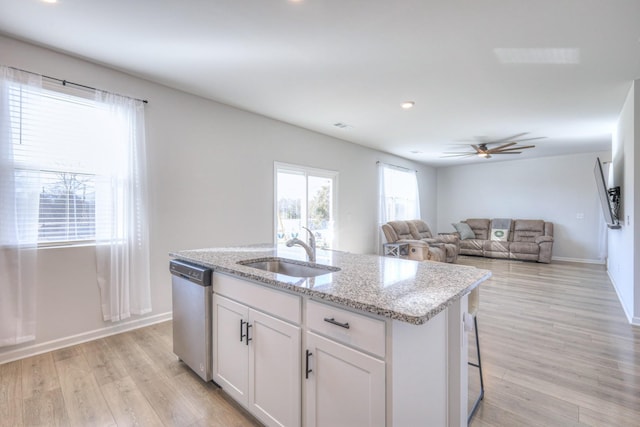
(407, 104)
(49, 1)
(415, 152)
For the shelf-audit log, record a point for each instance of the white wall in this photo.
(211, 184)
(554, 189)
(624, 250)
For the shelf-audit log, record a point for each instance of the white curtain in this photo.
(18, 233)
(122, 236)
(398, 196)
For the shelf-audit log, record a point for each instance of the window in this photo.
(399, 197)
(61, 149)
(305, 198)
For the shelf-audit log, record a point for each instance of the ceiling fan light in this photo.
(484, 155)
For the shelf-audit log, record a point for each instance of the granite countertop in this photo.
(400, 289)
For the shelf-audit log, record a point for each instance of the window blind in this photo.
(62, 150)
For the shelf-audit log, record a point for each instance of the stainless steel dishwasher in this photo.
(191, 301)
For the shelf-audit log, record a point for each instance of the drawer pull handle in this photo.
(334, 322)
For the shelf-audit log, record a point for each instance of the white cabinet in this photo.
(354, 369)
(230, 353)
(344, 386)
(256, 357)
(274, 370)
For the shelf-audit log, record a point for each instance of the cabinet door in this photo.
(274, 370)
(230, 350)
(344, 388)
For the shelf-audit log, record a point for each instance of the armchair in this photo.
(421, 231)
(398, 232)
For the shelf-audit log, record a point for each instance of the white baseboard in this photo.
(35, 349)
(580, 260)
(632, 320)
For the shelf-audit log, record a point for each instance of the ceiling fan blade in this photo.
(475, 147)
(509, 138)
(508, 152)
(502, 147)
(529, 139)
(518, 148)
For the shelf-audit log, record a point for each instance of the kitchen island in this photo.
(372, 341)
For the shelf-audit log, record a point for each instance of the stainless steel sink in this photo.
(289, 267)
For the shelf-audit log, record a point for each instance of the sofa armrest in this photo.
(542, 239)
(430, 241)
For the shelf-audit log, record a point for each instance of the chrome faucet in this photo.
(310, 248)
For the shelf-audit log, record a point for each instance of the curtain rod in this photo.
(396, 166)
(67, 82)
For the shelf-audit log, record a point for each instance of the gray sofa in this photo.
(527, 239)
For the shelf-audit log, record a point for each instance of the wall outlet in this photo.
(580, 215)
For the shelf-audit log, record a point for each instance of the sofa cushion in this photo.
(419, 229)
(464, 230)
(524, 248)
(496, 246)
(526, 230)
(472, 244)
(480, 227)
(402, 230)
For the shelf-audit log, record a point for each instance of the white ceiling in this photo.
(559, 69)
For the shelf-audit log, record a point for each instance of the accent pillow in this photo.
(500, 229)
(464, 230)
(500, 234)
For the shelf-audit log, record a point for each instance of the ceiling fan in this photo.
(507, 146)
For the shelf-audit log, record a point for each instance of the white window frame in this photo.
(80, 94)
(306, 171)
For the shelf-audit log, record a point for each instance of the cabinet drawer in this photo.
(278, 303)
(356, 330)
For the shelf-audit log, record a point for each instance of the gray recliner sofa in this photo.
(418, 235)
(530, 240)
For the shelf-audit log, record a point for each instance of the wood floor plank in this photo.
(83, 399)
(46, 409)
(137, 363)
(217, 410)
(39, 375)
(172, 407)
(128, 405)
(104, 362)
(11, 394)
(159, 352)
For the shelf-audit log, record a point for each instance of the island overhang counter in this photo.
(421, 306)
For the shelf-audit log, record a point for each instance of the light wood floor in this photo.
(556, 351)
(131, 379)
(556, 347)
